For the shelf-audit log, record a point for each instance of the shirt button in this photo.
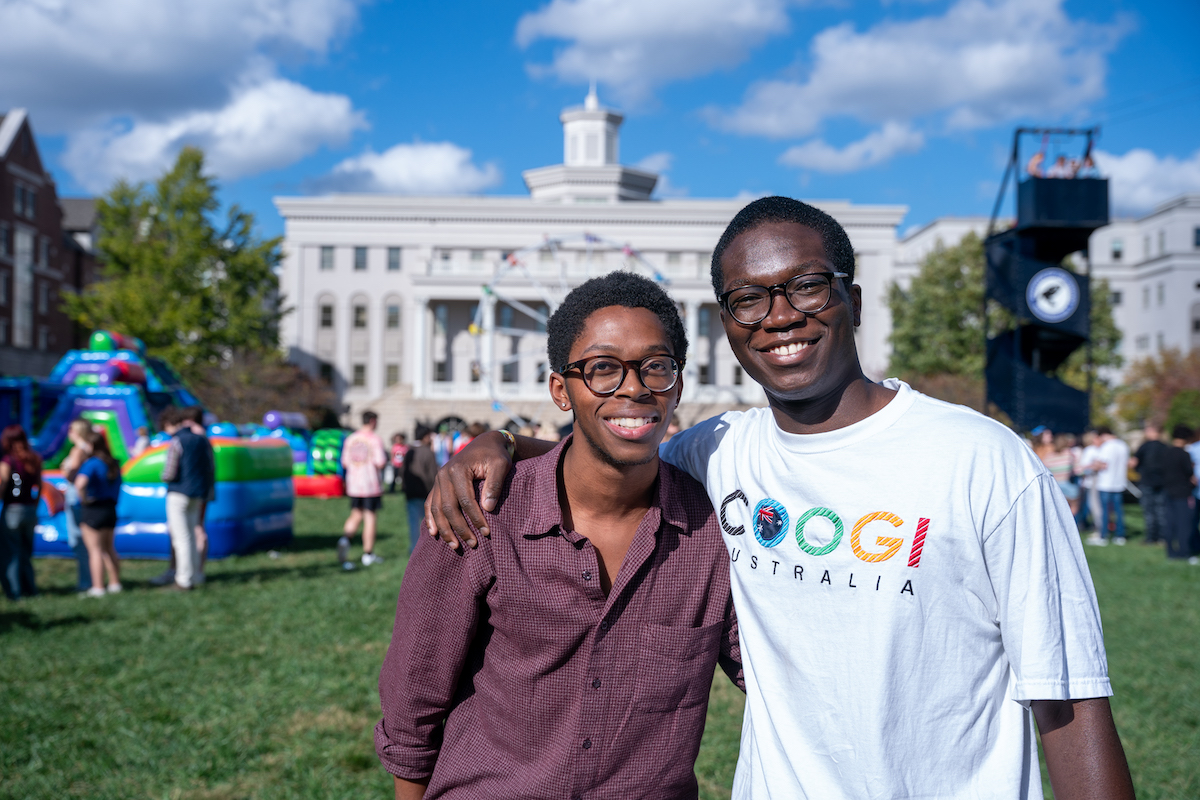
(587, 744)
(596, 683)
(604, 625)
(587, 574)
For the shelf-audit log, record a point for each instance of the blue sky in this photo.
(902, 101)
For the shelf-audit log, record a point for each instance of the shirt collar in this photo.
(547, 517)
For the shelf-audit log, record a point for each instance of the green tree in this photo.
(937, 330)
(195, 293)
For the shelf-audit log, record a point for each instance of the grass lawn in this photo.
(263, 684)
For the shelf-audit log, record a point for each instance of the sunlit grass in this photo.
(263, 684)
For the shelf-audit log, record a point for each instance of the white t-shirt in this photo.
(904, 587)
(1115, 454)
(1086, 458)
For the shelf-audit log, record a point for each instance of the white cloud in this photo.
(874, 148)
(980, 63)
(417, 168)
(1140, 180)
(73, 63)
(633, 46)
(660, 163)
(265, 125)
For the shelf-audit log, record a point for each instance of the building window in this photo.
(3, 330)
(506, 316)
(43, 338)
(24, 201)
(477, 255)
(705, 321)
(441, 318)
(672, 258)
(545, 255)
(1142, 342)
(737, 375)
(1158, 341)
(360, 259)
(705, 375)
(326, 371)
(3, 288)
(326, 259)
(326, 316)
(391, 374)
(359, 375)
(543, 372)
(393, 259)
(1146, 246)
(1114, 299)
(1162, 242)
(6, 239)
(1196, 238)
(360, 317)
(1196, 325)
(1145, 297)
(393, 317)
(1118, 249)
(44, 252)
(439, 371)
(1162, 294)
(43, 301)
(510, 371)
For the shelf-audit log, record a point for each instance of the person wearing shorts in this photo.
(363, 456)
(99, 485)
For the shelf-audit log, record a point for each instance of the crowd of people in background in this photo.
(1094, 475)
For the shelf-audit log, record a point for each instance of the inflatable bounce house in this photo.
(316, 456)
(114, 385)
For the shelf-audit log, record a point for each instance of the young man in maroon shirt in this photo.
(598, 609)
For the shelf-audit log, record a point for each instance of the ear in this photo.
(558, 391)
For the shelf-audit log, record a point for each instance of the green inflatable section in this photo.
(327, 451)
(112, 428)
(236, 461)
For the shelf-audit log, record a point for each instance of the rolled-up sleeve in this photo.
(441, 600)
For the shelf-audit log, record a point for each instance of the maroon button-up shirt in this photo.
(511, 674)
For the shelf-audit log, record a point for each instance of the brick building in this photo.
(45, 251)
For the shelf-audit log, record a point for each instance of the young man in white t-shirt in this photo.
(1111, 463)
(908, 610)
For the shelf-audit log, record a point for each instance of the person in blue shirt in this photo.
(99, 485)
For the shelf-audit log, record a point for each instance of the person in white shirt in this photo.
(1087, 482)
(909, 610)
(1111, 464)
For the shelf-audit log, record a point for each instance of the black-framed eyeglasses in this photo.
(808, 294)
(603, 375)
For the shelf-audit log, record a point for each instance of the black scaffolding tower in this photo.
(1049, 301)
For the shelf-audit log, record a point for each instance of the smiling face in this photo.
(625, 428)
(794, 356)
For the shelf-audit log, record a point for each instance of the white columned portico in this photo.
(420, 348)
(691, 325)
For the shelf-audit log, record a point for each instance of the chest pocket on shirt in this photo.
(675, 667)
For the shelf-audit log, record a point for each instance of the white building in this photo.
(1152, 265)
(384, 289)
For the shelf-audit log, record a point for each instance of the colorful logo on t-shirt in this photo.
(819, 531)
(770, 522)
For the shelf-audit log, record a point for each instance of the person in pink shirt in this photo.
(363, 457)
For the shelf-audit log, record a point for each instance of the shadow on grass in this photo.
(10, 620)
(265, 574)
(308, 543)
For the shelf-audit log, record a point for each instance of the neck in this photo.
(593, 487)
(851, 401)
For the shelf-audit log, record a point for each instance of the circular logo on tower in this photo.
(1052, 295)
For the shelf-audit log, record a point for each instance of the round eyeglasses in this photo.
(603, 375)
(808, 294)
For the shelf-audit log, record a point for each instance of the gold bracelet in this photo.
(510, 443)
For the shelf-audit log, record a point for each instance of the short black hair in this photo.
(368, 417)
(1182, 431)
(192, 414)
(838, 249)
(614, 289)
